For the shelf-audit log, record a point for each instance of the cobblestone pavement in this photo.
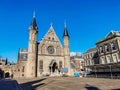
(69, 83)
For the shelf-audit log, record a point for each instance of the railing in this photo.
(114, 76)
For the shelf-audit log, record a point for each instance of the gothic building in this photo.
(46, 56)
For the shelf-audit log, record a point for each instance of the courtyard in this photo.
(69, 83)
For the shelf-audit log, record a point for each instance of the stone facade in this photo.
(91, 58)
(109, 48)
(45, 57)
(77, 59)
(3, 61)
(106, 61)
(6, 68)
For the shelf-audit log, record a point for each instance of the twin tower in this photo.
(48, 56)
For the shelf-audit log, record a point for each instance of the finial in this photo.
(34, 14)
(65, 23)
(51, 24)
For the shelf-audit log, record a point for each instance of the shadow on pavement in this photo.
(32, 85)
(8, 84)
(89, 87)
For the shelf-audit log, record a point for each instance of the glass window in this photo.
(107, 48)
(41, 64)
(108, 59)
(25, 57)
(101, 49)
(48, 38)
(103, 60)
(113, 47)
(60, 64)
(90, 62)
(91, 55)
(87, 62)
(88, 56)
(115, 59)
(53, 39)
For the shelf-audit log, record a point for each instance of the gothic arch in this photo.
(58, 50)
(43, 49)
(7, 74)
(53, 66)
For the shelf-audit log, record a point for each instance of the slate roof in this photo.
(65, 32)
(33, 25)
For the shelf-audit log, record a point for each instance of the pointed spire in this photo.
(18, 55)
(33, 23)
(51, 26)
(34, 14)
(65, 24)
(65, 30)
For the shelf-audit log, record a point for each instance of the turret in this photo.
(66, 49)
(32, 49)
(18, 55)
(65, 34)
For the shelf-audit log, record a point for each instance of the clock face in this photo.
(50, 49)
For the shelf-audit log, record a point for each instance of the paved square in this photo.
(69, 83)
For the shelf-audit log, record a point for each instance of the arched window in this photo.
(23, 69)
(48, 38)
(53, 39)
(41, 66)
(43, 51)
(60, 64)
(58, 50)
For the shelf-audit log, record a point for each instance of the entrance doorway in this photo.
(7, 74)
(53, 66)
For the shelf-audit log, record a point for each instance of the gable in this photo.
(50, 38)
(110, 34)
(113, 33)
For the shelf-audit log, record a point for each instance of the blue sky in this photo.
(87, 21)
